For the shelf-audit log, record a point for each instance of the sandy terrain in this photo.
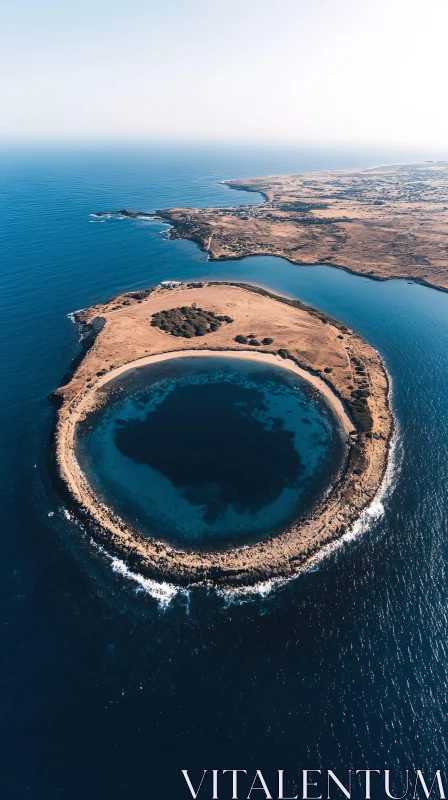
(387, 222)
(333, 359)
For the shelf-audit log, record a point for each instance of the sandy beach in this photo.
(251, 355)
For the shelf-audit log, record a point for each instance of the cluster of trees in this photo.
(252, 340)
(360, 413)
(188, 321)
(360, 393)
(284, 353)
(140, 295)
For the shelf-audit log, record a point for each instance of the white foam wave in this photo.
(163, 592)
(370, 514)
(72, 315)
(241, 593)
(364, 522)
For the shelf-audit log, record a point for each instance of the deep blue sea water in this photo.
(106, 693)
(209, 451)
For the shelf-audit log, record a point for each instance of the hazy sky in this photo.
(342, 71)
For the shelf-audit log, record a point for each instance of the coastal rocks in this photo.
(125, 212)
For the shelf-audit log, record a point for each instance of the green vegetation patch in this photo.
(188, 321)
(252, 340)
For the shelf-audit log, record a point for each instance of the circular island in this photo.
(218, 433)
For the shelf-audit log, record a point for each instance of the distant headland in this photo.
(387, 222)
(179, 319)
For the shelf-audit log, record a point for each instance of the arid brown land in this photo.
(387, 222)
(337, 362)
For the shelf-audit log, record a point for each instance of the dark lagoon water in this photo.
(107, 692)
(210, 451)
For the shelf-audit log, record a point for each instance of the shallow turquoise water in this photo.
(211, 451)
(104, 693)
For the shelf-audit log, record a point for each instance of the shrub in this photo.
(188, 321)
(254, 342)
(283, 353)
(240, 339)
(267, 340)
(140, 295)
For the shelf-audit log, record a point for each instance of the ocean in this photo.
(111, 684)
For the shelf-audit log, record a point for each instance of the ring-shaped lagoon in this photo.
(208, 452)
(203, 458)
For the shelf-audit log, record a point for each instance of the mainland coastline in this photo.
(386, 222)
(341, 366)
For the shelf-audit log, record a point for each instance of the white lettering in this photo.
(215, 784)
(262, 788)
(306, 783)
(368, 774)
(387, 785)
(281, 789)
(194, 793)
(338, 783)
(437, 777)
(234, 780)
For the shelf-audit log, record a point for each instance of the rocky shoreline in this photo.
(316, 337)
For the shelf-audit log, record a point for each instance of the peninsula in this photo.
(143, 327)
(387, 222)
